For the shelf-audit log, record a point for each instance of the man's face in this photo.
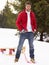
(28, 7)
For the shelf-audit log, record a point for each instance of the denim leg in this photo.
(31, 46)
(21, 41)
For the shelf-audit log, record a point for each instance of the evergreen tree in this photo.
(9, 16)
(41, 9)
(1, 20)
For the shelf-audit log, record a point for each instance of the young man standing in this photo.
(26, 23)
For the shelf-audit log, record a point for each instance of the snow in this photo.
(8, 39)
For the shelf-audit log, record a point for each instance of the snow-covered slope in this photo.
(8, 40)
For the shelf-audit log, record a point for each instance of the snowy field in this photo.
(8, 40)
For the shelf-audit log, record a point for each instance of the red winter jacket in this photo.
(21, 21)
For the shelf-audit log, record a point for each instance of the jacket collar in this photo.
(25, 11)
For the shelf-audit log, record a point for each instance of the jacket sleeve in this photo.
(18, 22)
(35, 22)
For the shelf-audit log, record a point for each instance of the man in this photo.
(26, 23)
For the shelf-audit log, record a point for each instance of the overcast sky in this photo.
(3, 3)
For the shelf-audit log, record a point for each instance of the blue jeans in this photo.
(23, 36)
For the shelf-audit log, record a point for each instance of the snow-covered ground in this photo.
(9, 40)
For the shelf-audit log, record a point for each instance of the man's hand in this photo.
(23, 31)
(34, 30)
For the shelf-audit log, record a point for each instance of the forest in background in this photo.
(40, 8)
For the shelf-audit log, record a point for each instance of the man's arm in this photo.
(18, 22)
(35, 23)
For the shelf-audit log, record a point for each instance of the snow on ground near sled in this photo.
(9, 40)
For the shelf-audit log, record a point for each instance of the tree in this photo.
(1, 20)
(9, 16)
(42, 11)
(41, 8)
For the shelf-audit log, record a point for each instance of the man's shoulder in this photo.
(22, 12)
(32, 12)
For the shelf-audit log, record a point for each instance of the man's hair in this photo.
(28, 2)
